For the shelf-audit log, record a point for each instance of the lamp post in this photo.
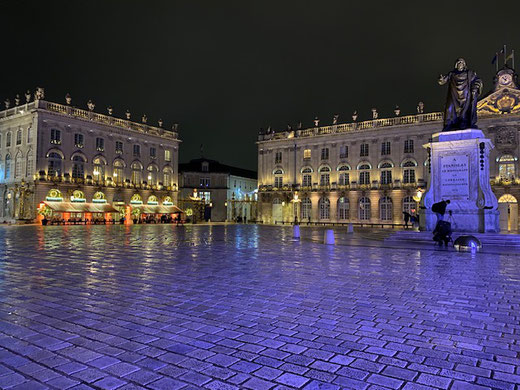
(296, 208)
(233, 206)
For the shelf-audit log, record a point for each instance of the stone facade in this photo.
(47, 147)
(372, 171)
(229, 192)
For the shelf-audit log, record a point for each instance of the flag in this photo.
(510, 56)
(495, 58)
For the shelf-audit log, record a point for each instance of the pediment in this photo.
(502, 101)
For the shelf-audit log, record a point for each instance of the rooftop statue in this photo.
(464, 87)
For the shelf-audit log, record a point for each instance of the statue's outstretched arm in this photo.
(443, 79)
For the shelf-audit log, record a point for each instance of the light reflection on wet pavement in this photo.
(246, 306)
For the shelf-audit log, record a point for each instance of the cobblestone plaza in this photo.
(225, 307)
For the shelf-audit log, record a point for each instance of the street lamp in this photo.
(296, 209)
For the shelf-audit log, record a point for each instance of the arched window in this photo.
(385, 208)
(136, 199)
(29, 169)
(278, 178)
(277, 201)
(364, 175)
(307, 177)
(136, 172)
(344, 177)
(306, 209)
(19, 137)
(386, 173)
(364, 209)
(167, 176)
(55, 163)
(324, 206)
(343, 209)
(99, 168)
(152, 199)
(409, 171)
(78, 167)
(119, 176)
(324, 176)
(7, 171)
(152, 174)
(409, 205)
(18, 162)
(99, 197)
(506, 167)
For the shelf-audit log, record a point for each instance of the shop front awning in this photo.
(157, 209)
(76, 207)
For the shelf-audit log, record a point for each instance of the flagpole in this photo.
(505, 55)
(513, 52)
(496, 61)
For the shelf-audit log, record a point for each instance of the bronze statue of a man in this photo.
(464, 87)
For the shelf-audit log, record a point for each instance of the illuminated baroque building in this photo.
(372, 171)
(227, 192)
(76, 163)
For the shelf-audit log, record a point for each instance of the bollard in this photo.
(328, 237)
(350, 228)
(296, 231)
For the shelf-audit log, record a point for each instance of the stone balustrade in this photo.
(90, 116)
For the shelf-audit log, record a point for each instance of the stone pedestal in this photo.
(460, 173)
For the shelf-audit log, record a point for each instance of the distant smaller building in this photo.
(225, 193)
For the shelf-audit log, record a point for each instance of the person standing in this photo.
(406, 219)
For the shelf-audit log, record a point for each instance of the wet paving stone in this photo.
(229, 307)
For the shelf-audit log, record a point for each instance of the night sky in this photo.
(224, 69)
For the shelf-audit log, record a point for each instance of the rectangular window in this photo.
(100, 144)
(137, 150)
(385, 148)
(386, 177)
(278, 158)
(307, 180)
(278, 181)
(19, 137)
(363, 152)
(55, 136)
(307, 154)
(343, 151)
(153, 152)
(408, 146)
(78, 140)
(344, 179)
(206, 196)
(119, 147)
(204, 182)
(409, 176)
(167, 155)
(29, 135)
(324, 179)
(325, 153)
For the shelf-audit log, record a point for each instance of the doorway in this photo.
(277, 210)
(508, 208)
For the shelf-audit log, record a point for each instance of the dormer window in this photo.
(205, 166)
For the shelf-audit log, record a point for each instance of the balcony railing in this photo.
(90, 116)
(356, 126)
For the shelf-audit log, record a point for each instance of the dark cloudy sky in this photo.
(223, 69)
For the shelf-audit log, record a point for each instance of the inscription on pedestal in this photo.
(454, 176)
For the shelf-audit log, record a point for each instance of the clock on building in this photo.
(505, 79)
